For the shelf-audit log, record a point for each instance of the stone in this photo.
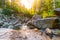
(23, 34)
(39, 22)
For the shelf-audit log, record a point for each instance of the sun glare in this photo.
(9, 0)
(27, 3)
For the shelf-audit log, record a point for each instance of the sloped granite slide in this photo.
(24, 34)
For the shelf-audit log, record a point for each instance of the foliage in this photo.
(58, 4)
(47, 9)
(2, 3)
(7, 11)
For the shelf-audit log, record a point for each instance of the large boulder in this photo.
(40, 22)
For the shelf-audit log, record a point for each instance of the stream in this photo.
(9, 32)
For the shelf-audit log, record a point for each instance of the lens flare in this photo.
(27, 3)
(9, 0)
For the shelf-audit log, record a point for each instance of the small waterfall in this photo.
(24, 26)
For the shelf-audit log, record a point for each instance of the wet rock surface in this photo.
(56, 38)
(26, 34)
(16, 21)
(40, 22)
(9, 21)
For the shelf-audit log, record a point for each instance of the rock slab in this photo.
(26, 34)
